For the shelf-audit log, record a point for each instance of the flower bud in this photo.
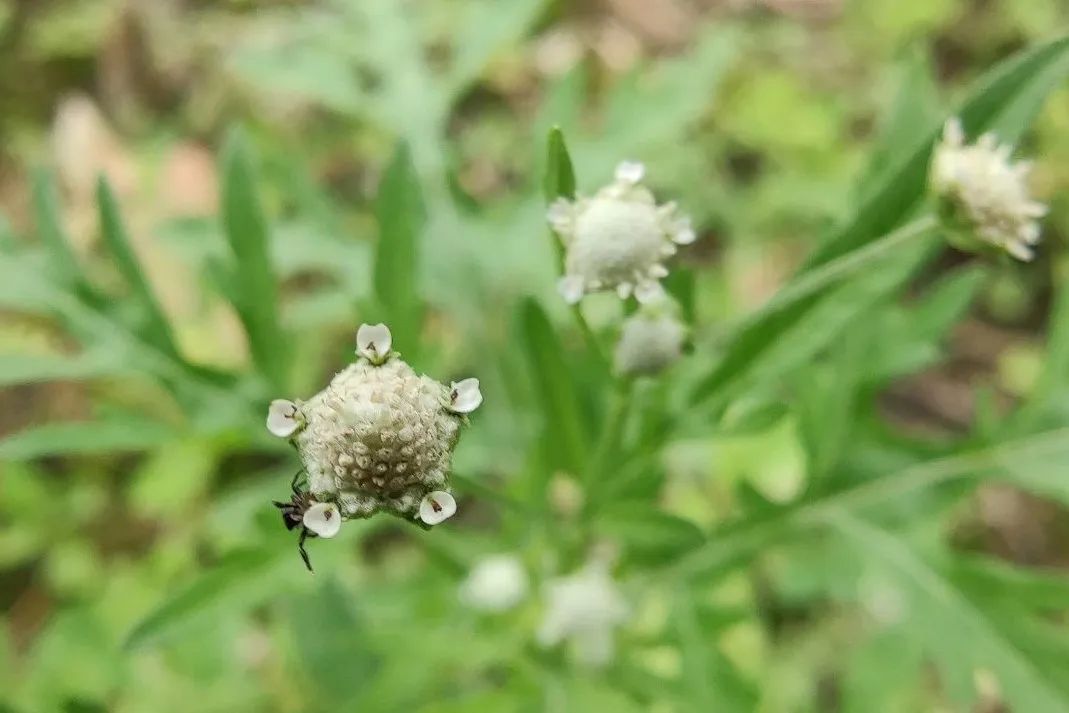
(984, 201)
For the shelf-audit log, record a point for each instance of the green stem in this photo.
(591, 339)
(612, 433)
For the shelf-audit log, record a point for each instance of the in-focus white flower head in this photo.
(437, 507)
(465, 396)
(584, 608)
(373, 342)
(984, 197)
(323, 519)
(283, 418)
(618, 239)
(495, 584)
(380, 437)
(650, 341)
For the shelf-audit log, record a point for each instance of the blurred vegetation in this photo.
(862, 510)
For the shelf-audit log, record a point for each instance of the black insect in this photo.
(293, 515)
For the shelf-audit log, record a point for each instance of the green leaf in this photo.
(156, 330)
(400, 213)
(961, 633)
(1012, 460)
(84, 438)
(1005, 99)
(27, 369)
(559, 181)
(241, 580)
(53, 235)
(649, 535)
(247, 232)
(562, 418)
(331, 645)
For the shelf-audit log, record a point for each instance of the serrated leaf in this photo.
(84, 438)
(247, 233)
(156, 329)
(400, 213)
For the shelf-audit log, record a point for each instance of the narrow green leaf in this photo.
(157, 331)
(559, 181)
(951, 624)
(331, 645)
(649, 535)
(27, 369)
(247, 232)
(240, 580)
(400, 213)
(50, 228)
(562, 418)
(1005, 99)
(83, 438)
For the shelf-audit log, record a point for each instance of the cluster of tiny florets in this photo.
(650, 341)
(379, 437)
(984, 197)
(619, 239)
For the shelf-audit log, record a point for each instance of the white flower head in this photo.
(584, 608)
(437, 507)
(380, 437)
(618, 239)
(650, 341)
(984, 197)
(373, 342)
(465, 396)
(284, 418)
(495, 584)
(323, 519)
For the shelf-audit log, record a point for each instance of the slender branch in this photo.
(591, 339)
(612, 433)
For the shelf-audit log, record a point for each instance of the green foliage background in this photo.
(848, 497)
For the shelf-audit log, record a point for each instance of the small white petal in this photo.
(683, 232)
(658, 271)
(283, 418)
(648, 291)
(1021, 251)
(323, 519)
(373, 342)
(465, 396)
(571, 288)
(953, 134)
(630, 172)
(437, 507)
(623, 290)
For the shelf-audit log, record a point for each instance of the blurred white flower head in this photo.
(984, 197)
(379, 436)
(619, 239)
(495, 584)
(584, 608)
(650, 341)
